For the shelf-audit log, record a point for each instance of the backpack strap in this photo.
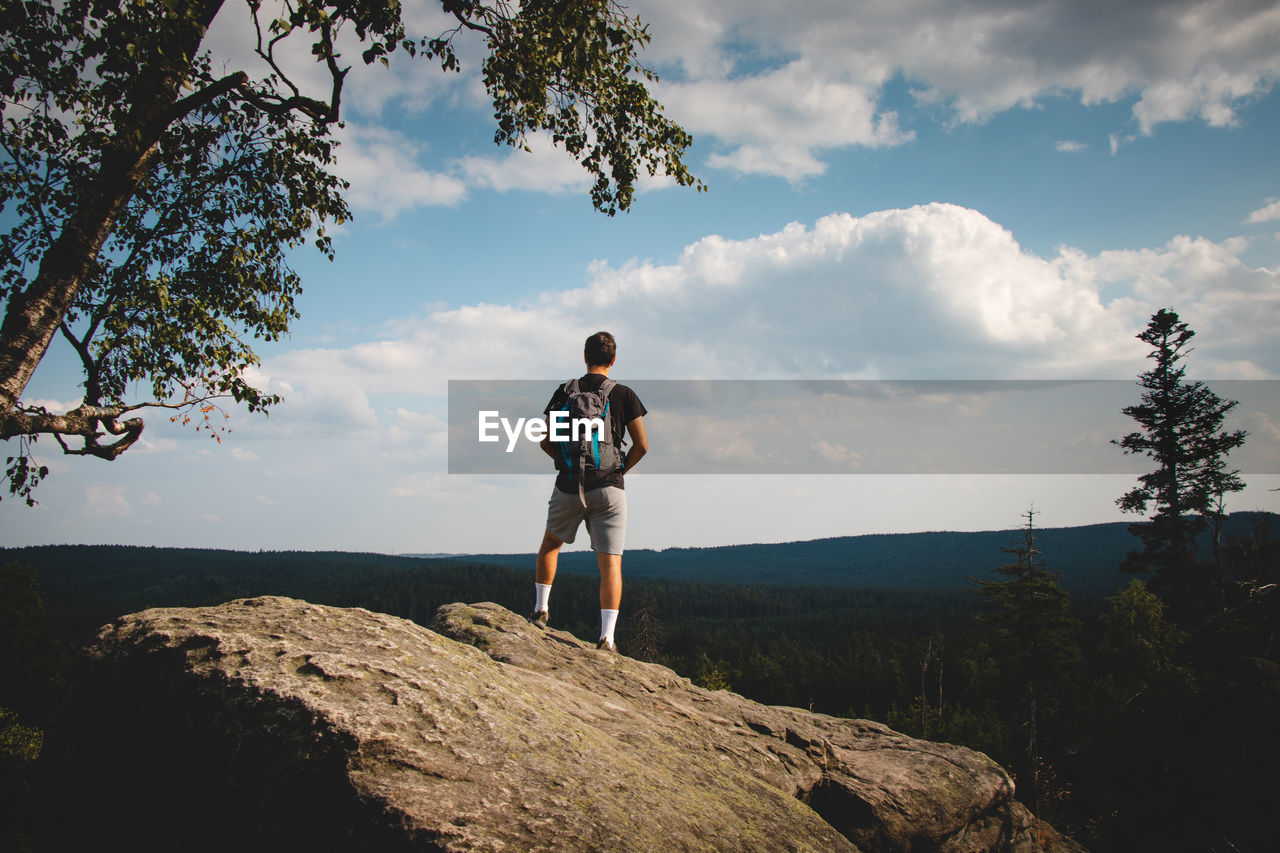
(606, 388)
(568, 388)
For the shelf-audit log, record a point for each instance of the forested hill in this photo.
(1085, 559)
(90, 584)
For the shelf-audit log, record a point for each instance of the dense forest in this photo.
(1122, 727)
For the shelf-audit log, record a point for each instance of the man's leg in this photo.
(610, 580)
(545, 575)
(607, 523)
(548, 557)
(610, 594)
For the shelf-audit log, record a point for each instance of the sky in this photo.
(916, 190)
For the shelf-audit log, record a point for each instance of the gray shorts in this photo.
(605, 515)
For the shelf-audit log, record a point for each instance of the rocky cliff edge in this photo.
(271, 723)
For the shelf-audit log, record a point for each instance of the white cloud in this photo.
(1210, 94)
(1232, 307)
(107, 500)
(325, 393)
(54, 407)
(930, 292)
(386, 176)
(413, 84)
(840, 457)
(780, 119)
(543, 168)
(772, 88)
(934, 291)
(240, 454)
(1070, 146)
(383, 168)
(736, 62)
(1267, 213)
(426, 434)
(149, 444)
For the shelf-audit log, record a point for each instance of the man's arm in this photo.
(639, 443)
(556, 402)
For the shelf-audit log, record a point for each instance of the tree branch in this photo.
(86, 422)
(82, 421)
(92, 385)
(456, 10)
(314, 108)
(207, 95)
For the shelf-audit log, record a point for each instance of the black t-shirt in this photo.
(624, 407)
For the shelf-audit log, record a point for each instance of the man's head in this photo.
(600, 350)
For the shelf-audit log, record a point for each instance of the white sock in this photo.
(608, 621)
(542, 594)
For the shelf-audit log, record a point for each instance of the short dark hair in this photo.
(600, 350)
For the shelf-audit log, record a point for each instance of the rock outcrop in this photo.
(271, 723)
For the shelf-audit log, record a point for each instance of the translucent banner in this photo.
(856, 426)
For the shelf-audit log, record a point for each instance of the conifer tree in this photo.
(643, 630)
(1181, 429)
(1033, 640)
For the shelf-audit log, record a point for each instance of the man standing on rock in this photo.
(589, 480)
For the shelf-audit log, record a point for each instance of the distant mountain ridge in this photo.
(86, 585)
(1086, 558)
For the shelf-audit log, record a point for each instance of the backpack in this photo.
(592, 451)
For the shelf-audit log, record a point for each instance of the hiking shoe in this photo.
(606, 646)
(539, 618)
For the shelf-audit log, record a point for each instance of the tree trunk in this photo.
(32, 317)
